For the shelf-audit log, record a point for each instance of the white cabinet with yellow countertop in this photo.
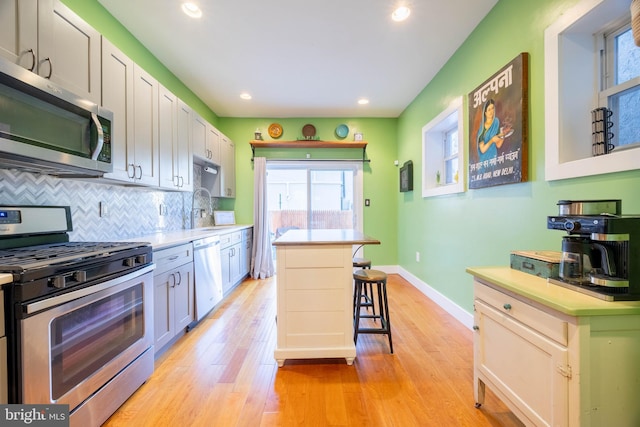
(555, 356)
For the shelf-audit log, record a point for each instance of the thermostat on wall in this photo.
(224, 217)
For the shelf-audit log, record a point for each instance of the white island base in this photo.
(315, 294)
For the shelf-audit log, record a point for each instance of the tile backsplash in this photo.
(130, 211)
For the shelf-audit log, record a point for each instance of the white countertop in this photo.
(166, 239)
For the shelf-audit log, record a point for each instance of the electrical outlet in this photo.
(163, 209)
(417, 256)
(367, 202)
(104, 211)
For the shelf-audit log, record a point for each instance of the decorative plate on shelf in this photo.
(308, 131)
(342, 131)
(275, 130)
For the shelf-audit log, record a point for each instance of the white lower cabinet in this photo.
(247, 248)
(173, 297)
(235, 255)
(230, 255)
(553, 369)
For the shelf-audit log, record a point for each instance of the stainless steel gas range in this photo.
(78, 315)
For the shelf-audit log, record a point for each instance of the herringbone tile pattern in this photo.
(132, 211)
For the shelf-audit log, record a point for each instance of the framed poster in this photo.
(498, 127)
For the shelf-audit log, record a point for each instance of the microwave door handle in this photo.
(96, 122)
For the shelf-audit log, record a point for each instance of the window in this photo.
(441, 154)
(450, 160)
(582, 72)
(314, 195)
(620, 83)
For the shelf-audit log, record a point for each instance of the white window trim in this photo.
(570, 78)
(433, 151)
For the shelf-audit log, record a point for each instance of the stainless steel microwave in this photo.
(47, 129)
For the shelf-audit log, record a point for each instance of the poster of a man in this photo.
(498, 127)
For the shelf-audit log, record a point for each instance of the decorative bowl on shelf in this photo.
(275, 130)
(309, 131)
(342, 131)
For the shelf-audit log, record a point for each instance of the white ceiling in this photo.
(302, 58)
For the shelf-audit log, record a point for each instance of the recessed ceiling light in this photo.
(363, 101)
(401, 13)
(191, 9)
(245, 95)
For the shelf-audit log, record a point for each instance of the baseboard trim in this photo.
(458, 313)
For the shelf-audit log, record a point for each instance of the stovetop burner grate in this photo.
(45, 255)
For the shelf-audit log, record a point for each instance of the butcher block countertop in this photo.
(551, 295)
(324, 237)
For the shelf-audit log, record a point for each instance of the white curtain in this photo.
(261, 259)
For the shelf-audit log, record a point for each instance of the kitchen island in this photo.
(315, 293)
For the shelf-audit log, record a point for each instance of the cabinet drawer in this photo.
(543, 322)
(320, 257)
(230, 239)
(168, 259)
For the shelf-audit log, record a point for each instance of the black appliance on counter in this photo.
(600, 254)
(78, 315)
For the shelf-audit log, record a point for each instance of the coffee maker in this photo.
(600, 253)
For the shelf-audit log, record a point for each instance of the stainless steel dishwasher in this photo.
(208, 274)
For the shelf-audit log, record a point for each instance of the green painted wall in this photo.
(478, 227)
(99, 18)
(481, 227)
(381, 179)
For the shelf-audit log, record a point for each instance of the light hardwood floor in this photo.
(222, 373)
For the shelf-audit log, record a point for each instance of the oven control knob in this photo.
(141, 259)
(58, 282)
(130, 262)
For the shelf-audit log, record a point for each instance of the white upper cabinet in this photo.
(19, 32)
(174, 121)
(132, 95)
(145, 127)
(183, 151)
(206, 140)
(199, 136)
(69, 51)
(46, 37)
(228, 167)
(213, 144)
(167, 137)
(117, 96)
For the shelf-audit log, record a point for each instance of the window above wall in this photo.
(589, 64)
(443, 169)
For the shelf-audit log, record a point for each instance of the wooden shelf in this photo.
(310, 144)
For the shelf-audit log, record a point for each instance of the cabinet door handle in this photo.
(140, 168)
(179, 278)
(50, 67)
(33, 59)
(133, 171)
(507, 306)
(476, 327)
(173, 276)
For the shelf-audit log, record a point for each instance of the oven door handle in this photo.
(61, 299)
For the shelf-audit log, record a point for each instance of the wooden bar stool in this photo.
(378, 278)
(367, 294)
